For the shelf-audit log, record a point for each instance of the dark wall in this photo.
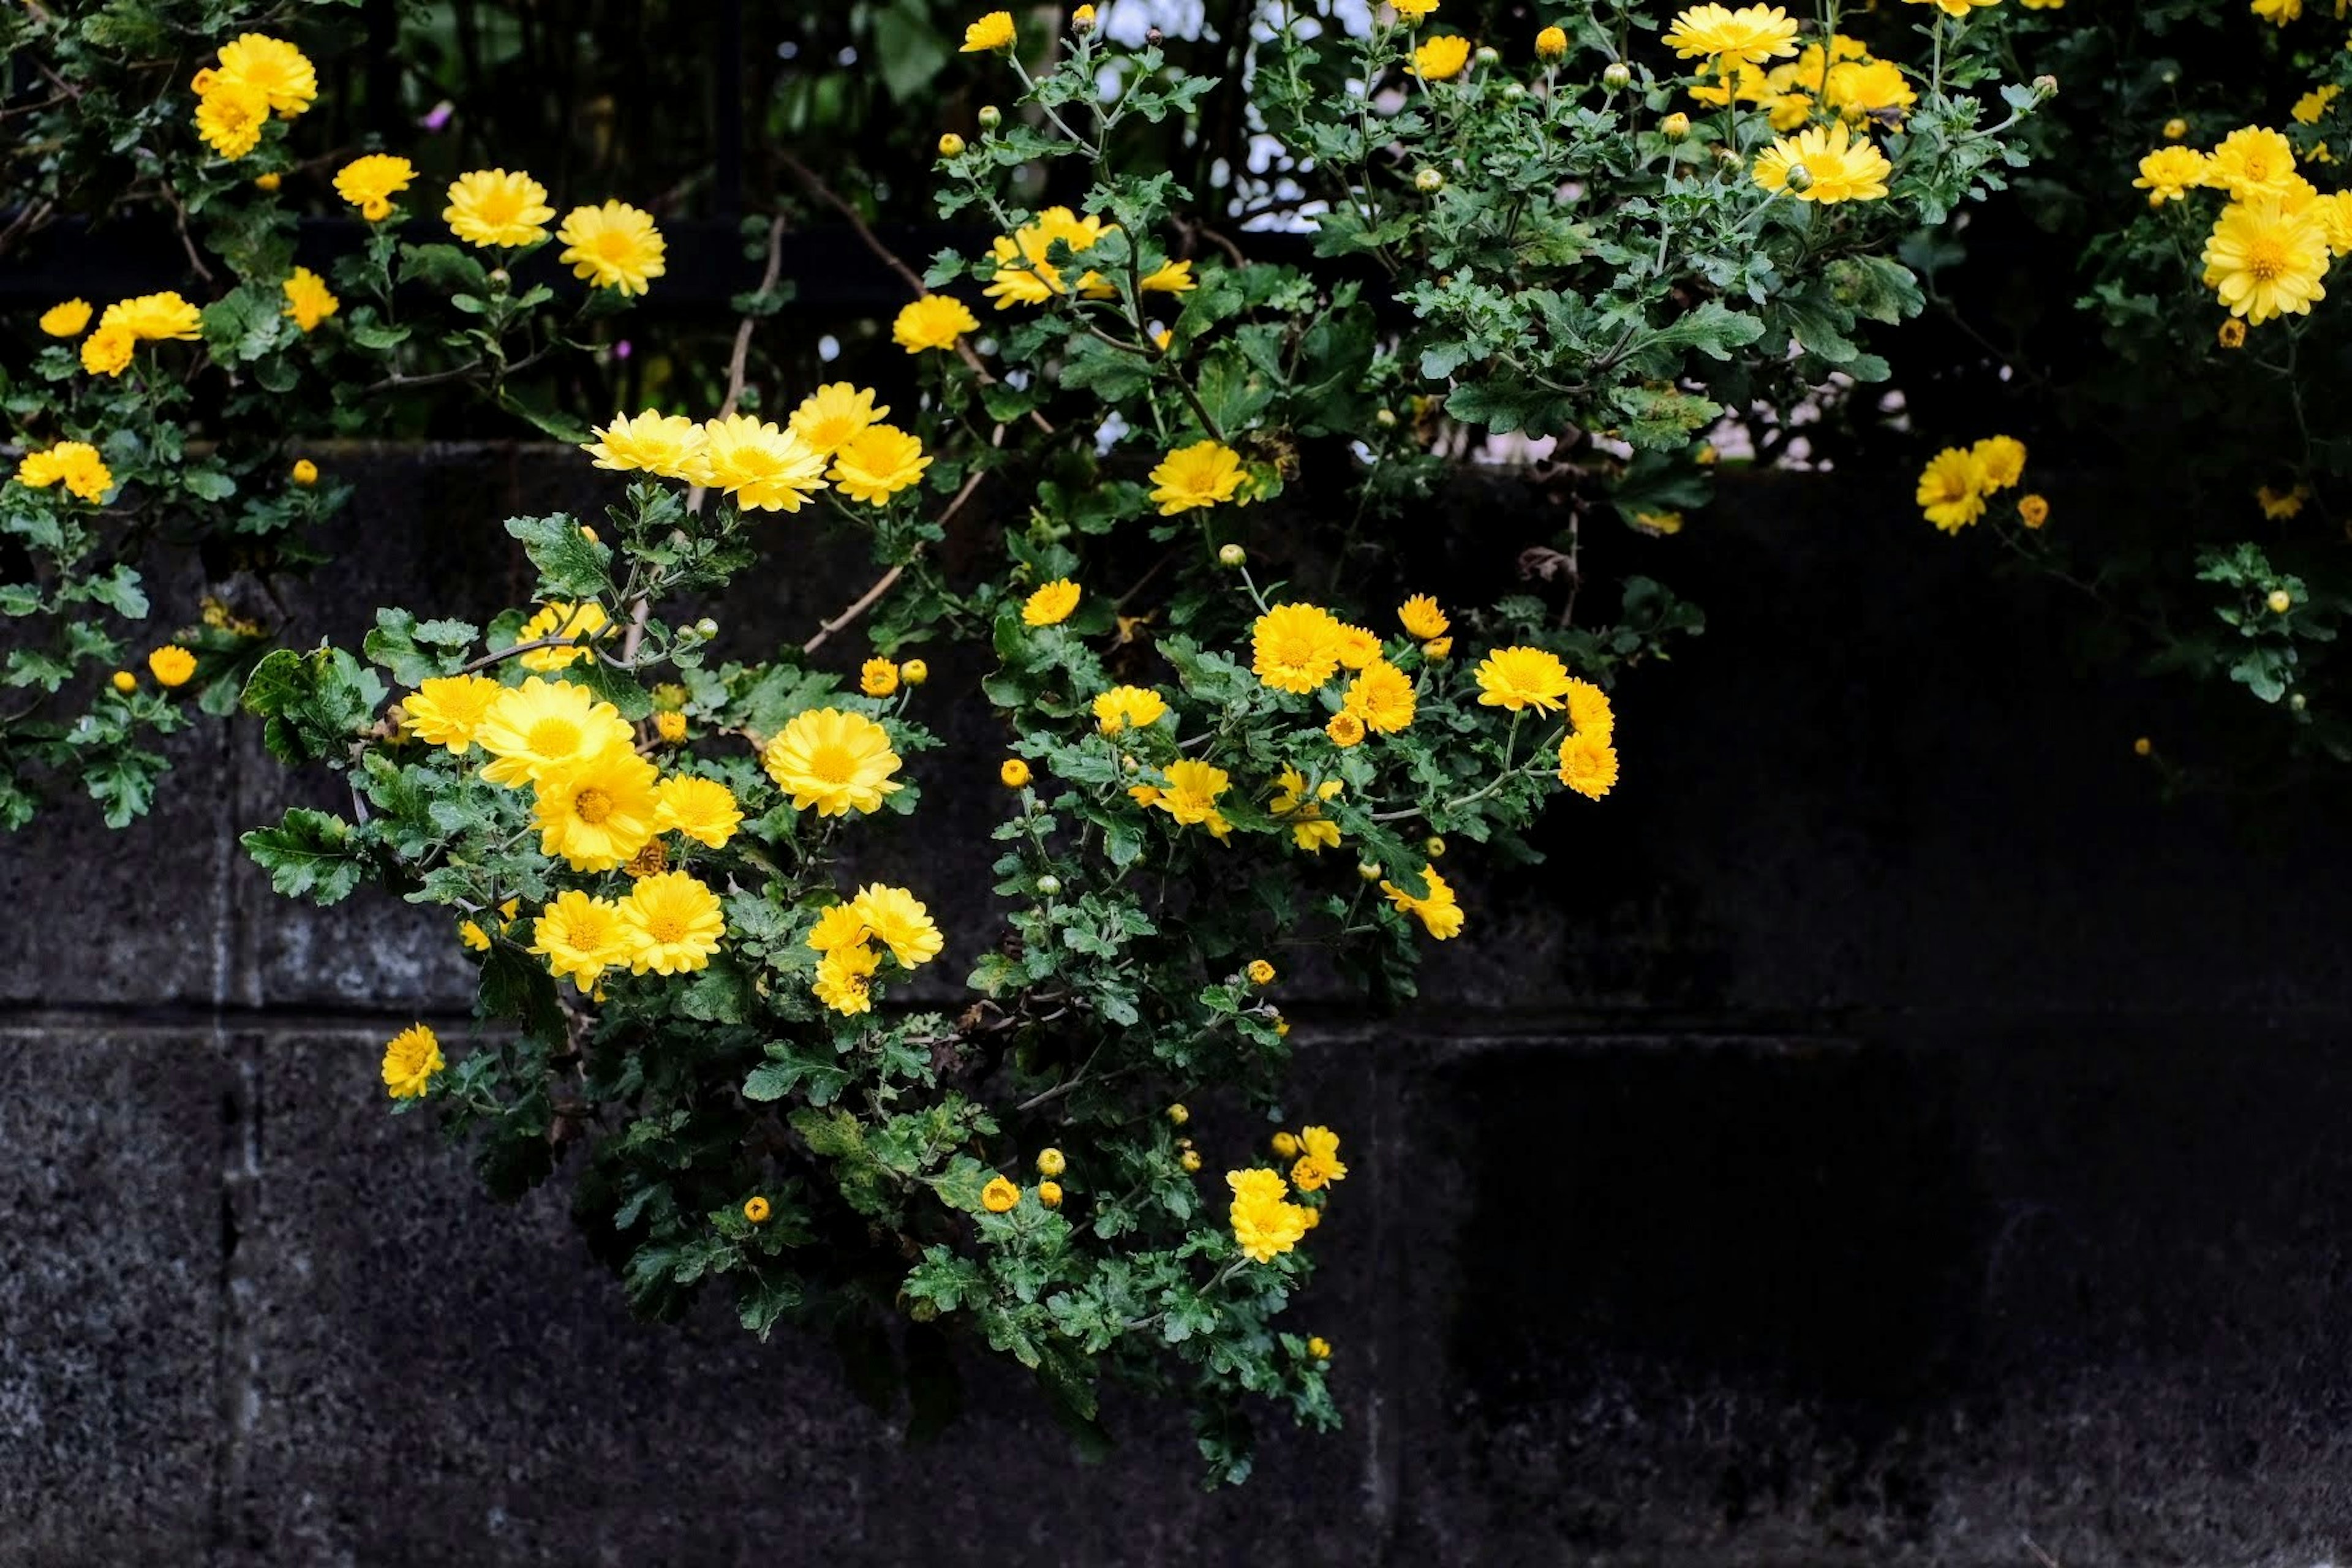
(1881, 1133)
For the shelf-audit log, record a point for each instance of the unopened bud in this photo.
(2045, 86)
(1231, 555)
(1487, 55)
(1049, 885)
(1429, 182)
(951, 145)
(1800, 177)
(991, 117)
(1617, 75)
(706, 628)
(1370, 871)
(1675, 127)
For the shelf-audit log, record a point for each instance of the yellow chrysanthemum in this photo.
(1588, 710)
(762, 468)
(1168, 277)
(308, 299)
(107, 352)
(1520, 678)
(1127, 707)
(1318, 1164)
(1588, 765)
(839, 926)
(580, 623)
(1870, 90)
(410, 1058)
(1437, 911)
(704, 810)
(1835, 166)
(74, 464)
(877, 463)
(2278, 13)
(544, 724)
(66, 320)
(155, 318)
(1359, 646)
(595, 812)
(282, 73)
(834, 762)
(1265, 1223)
(171, 665)
(1413, 10)
(1551, 44)
(1206, 473)
(2313, 106)
(2169, 173)
(1442, 56)
(1422, 619)
(1345, 728)
(933, 322)
(845, 978)
(1382, 697)
(1022, 274)
(446, 709)
(667, 445)
(1750, 36)
(670, 924)
(615, 246)
(2002, 458)
(1952, 488)
(897, 920)
(230, 117)
(877, 677)
(369, 183)
(493, 209)
(2262, 261)
(1051, 604)
(1954, 7)
(1309, 829)
(830, 416)
(1296, 647)
(2251, 162)
(1190, 795)
(580, 937)
(991, 33)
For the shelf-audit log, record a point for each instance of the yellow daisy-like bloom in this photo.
(1129, 707)
(1520, 678)
(671, 924)
(2251, 162)
(1867, 90)
(878, 677)
(1296, 647)
(2002, 458)
(704, 810)
(1359, 646)
(1750, 36)
(2280, 505)
(1382, 697)
(369, 183)
(281, 72)
(1589, 712)
(1345, 728)
(2334, 212)
(762, 468)
(2313, 106)
(67, 320)
(1023, 276)
(2032, 510)
(446, 709)
(74, 464)
(2278, 13)
(670, 727)
(999, 1196)
(1438, 912)
(308, 299)
(595, 812)
(933, 322)
(1588, 765)
(1422, 619)
(1309, 829)
(492, 208)
(1051, 604)
(667, 445)
(107, 352)
(897, 920)
(1260, 972)
(1265, 1223)
(472, 937)
(1207, 473)
(580, 937)
(1954, 7)
(1835, 167)
(1413, 10)
(581, 623)
(830, 416)
(1169, 277)
(410, 1058)
(839, 926)
(155, 318)
(1952, 488)
(545, 724)
(2262, 261)
(230, 116)
(171, 665)
(845, 978)
(1193, 790)
(991, 33)
(1319, 1165)
(834, 762)
(2169, 173)
(877, 463)
(1442, 56)
(615, 246)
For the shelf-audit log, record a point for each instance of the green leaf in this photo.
(308, 855)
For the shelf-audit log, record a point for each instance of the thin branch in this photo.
(882, 584)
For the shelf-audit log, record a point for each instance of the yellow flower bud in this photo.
(2281, 601)
(125, 682)
(306, 472)
(1675, 127)
(951, 145)
(2175, 129)
(914, 672)
(1429, 182)
(1285, 1146)
(1232, 555)
(1260, 972)
(1014, 772)
(2142, 746)
(1050, 1193)
(1177, 1115)
(1370, 871)
(1319, 1348)
(756, 1210)
(1050, 1162)
(670, 727)
(1190, 1160)
(1433, 847)
(991, 117)
(267, 182)
(1551, 44)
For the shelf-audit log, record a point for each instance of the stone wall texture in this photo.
(1883, 1133)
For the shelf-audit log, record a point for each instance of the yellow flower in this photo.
(1265, 1223)
(2169, 173)
(2262, 261)
(878, 677)
(472, 937)
(281, 72)
(2251, 162)
(1206, 473)
(1954, 7)
(1320, 1166)
(1051, 604)
(2278, 13)
(2032, 510)
(1358, 646)
(107, 352)
(1000, 1194)
(545, 724)
(1346, 730)
(1317, 1345)
(697, 808)
(845, 978)
(2002, 458)
(1440, 57)
(230, 116)
(897, 920)
(991, 33)
(597, 811)
(66, 320)
(830, 416)
(308, 299)
(1750, 36)
(668, 445)
(1050, 1193)
(1870, 90)
(1588, 765)
(74, 464)
(491, 208)
(1013, 774)
(762, 468)
(1296, 647)
(1168, 277)
(1520, 678)
(670, 924)
(304, 472)
(1309, 829)
(1023, 276)
(1260, 972)
(839, 926)
(446, 709)
(581, 623)
(1662, 524)
(171, 665)
(1382, 697)
(1835, 167)
(369, 183)
(670, 726)
(1413, 10)
(756, 1209)
(1952, 488)
(2313, 106)
(877, 463)
(1551, 44)
(410, 1058)
(615, 246)
(580, 937)
(124, 681)
(1422, 619)
(833, 760)
(1589, 712)
(154, 318)
(2280, 505)
(1129, 707)
(933, 322)
(1193, 790)
(1437, 911)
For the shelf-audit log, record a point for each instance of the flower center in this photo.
(553, 737)
(834, 764)
(665, 927)
(2266, 260)
(591, 806)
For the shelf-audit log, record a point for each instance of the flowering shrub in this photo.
(1211, 768)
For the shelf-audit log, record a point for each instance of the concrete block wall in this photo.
(1882, 1134)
